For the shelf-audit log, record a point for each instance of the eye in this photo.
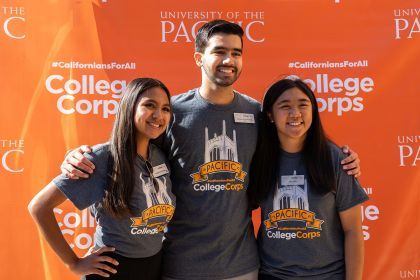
(238, 54)
(285, 107)
(166, 109)
(150, 105)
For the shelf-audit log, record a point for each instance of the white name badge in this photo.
(160, 170)
(293, 180)
(243, 118)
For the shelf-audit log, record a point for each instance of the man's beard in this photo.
(222, 81)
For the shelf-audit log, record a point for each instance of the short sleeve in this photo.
(349, 191)
(85, 192)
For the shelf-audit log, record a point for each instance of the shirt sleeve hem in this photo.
(354, 203)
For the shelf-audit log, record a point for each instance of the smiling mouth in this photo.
(295, 123)
(154, 125)
(226, 70)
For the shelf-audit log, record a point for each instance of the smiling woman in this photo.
(130, 184)
(292, 116)
(308, 203)
(153, 112)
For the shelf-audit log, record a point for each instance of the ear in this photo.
(198, 59)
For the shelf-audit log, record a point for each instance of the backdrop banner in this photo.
(65, 63)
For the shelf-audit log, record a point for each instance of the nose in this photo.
(157, 114)
(294, 112)
(228, 59)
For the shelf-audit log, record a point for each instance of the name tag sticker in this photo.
(293, 180)
(243, 118)
(160, 170)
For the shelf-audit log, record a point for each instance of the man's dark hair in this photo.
(213, 27)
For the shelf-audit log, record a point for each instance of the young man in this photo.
(210, 143)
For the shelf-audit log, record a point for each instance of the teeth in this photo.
(294, 123)
(226, 70)
(154, 125)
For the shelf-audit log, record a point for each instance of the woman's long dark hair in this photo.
(123, 148)
(316, 153)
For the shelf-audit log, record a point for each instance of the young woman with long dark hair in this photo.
(129, 194)
(310, 207)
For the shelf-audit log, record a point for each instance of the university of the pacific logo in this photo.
(220, 155)
(290, 204)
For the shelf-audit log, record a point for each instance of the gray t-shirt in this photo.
(134, 237)
(210, 148)
(301, 235)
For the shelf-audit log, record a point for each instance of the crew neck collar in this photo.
(216, 107)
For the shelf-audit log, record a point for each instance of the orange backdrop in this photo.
(64, 64)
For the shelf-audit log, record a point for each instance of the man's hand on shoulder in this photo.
(351, 164)
(76, 165)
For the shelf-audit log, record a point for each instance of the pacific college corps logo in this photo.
(159, 209)
(291, 211)
(220, 156)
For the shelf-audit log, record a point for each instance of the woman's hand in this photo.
(94, 263)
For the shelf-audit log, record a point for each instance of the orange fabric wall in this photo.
(63, 64)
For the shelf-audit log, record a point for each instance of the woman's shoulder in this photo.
(337, 153)
(100, 148)
(99, 152)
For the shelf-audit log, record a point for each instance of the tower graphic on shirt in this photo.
(291, 205)
(159, 210)
(220, 156)
(152, 197)
(291, 194)
(220, 147)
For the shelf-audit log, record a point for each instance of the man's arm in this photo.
(76, 165)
